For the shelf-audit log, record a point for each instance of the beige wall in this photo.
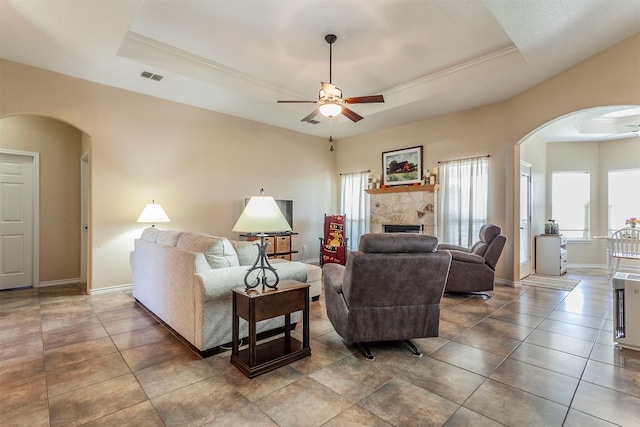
(198, 164)
(59, 147)
(609, 78)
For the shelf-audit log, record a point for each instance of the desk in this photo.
(255, 305)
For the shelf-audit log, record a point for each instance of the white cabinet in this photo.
(551, 254)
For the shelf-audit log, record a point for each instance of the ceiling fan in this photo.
(330, 100)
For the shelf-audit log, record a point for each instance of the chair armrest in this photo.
(466, 257)
(448, 247)
(333, 275)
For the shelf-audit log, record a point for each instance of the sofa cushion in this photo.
(217, 250)
(150, 234)
(247, 251)
(165, 237)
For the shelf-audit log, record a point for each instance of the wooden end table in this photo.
(255, 305)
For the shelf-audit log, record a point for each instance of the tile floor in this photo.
(526, 357)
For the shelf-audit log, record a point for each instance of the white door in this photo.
(525, 220)
(16, 221)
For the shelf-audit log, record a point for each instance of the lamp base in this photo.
(262, 265)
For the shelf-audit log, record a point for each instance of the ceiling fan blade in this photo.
(310, 116)
(351, 115)
(297, 102)
(364, 99)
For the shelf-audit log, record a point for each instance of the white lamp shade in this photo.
(261, 215)
(153, 213)
(330, 109)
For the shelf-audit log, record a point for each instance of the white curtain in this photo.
(354, 203)
(464, 186)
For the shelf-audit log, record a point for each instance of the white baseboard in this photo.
(623, 266)
(59, 282)
(108, 289)
(588, 266)
(506, 282)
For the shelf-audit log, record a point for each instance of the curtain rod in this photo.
(466, 158)
(351, 173)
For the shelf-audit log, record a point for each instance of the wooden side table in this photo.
(255, 305)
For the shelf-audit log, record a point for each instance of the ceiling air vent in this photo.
(148, 75)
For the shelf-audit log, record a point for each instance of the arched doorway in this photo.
(60, 251)
(549, 148)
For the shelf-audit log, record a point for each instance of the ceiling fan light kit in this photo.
(330, 101)
(330, 109)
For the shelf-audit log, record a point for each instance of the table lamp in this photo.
(261, 216)
(153, 213)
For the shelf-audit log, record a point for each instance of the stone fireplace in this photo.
(404, 206)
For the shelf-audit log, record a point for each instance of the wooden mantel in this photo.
(402, 189)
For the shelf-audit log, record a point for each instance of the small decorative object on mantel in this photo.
(430, 178)
(632, 222)
(402, 167)
(374, 181)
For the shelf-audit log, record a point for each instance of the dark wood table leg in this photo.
(235, 329)
(253, 361)
(305, 320)
(287, 325)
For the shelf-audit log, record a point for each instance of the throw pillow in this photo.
(247, 251)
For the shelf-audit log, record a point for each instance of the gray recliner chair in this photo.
(389, 290)
(473, 270)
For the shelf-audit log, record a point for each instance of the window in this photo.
(624, 202)
(570, 203)
(464, 199)
(354, 203)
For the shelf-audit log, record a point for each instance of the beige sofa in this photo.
(185, 280)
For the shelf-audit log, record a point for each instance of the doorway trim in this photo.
(526, 265)
(35, 256)
(84, 217)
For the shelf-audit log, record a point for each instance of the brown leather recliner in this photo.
(473, 270)
(390, 289)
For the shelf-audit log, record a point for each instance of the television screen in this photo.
(286, 207)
